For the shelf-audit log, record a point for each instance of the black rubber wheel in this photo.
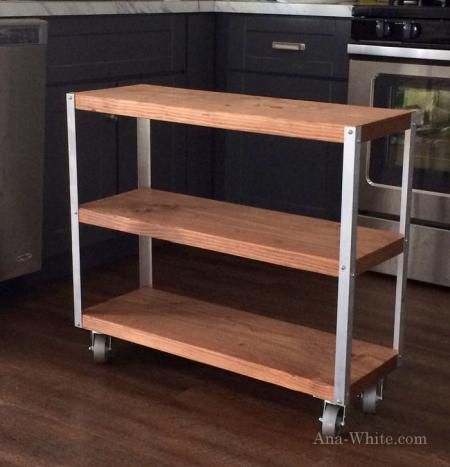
(100, 348)
(332, 420)
(369, 400)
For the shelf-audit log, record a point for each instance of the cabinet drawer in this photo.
(86, 48)
(290, 45)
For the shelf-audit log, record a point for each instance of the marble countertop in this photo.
(22, 8)
(285, 8)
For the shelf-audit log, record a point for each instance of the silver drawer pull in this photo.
(296, 46)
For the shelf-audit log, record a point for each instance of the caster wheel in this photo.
(370, 399)
(332, 420)
(100, 348)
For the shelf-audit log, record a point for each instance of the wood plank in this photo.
(277, 352)
(267, 115)
(278, 238)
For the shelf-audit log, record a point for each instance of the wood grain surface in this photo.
(284, 239)
(285, 354)
(267, 115)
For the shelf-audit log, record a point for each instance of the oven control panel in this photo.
(404, 30)
(401, 32)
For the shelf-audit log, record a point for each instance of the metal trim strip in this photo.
(398, 52)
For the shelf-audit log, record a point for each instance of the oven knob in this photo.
(382, 29)
(410, 31)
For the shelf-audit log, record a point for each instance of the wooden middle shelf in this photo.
(278, 238)
(281, 353)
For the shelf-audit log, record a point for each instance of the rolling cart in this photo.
(334, 368)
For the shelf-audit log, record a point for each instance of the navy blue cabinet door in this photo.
(286, 174)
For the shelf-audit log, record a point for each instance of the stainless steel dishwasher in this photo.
(22, 123)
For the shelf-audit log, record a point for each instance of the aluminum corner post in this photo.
(404, 227)
(144, 180)
(347, 264)
(75, 232)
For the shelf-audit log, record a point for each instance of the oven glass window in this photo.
(430, 97)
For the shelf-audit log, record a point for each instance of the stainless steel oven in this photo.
(385, 72)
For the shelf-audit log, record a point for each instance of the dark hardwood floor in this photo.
(57, 408)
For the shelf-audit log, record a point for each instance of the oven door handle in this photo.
(398, 52)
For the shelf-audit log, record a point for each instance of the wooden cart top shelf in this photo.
(267, 115)
(274, 237)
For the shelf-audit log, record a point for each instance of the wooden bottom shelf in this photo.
(277, 352)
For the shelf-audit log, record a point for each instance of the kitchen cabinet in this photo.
(292, 57)
(89, 48)
(92, 52)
